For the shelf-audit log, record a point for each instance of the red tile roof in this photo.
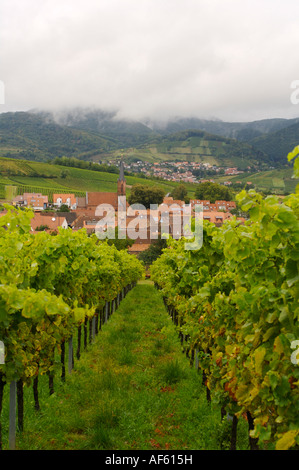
(95, 199)
(138, 247)
(53, 222)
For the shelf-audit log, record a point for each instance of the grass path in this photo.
(132, 389)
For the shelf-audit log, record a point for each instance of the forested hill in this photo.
(36, 136)
(242, 131)
(98, 135)
(198, 146)
(278, 144)
(33, 137)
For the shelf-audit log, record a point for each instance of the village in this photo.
(183, 171)
(69, 211)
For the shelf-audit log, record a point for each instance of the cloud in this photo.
(232, 60)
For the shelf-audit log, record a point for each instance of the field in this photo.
(199, 151)
(129, 387)
(281, 181)
(132, 389)
(48, 178)
(29, 176)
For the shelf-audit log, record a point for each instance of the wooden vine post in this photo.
(70, 356)
(12, 415)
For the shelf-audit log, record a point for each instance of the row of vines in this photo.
(236, 301)
(14, 188)
(50, 287)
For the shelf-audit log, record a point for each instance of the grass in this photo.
(132, 389)
(280, 180)
(196, 148)
(31, 174)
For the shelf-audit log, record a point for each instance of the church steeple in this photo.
(121, 183)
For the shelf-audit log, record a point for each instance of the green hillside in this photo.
(196, 146)
(37, 137)
(48, 178)
(279, 181)
(32, 137)
(243, 131)
(278, 144)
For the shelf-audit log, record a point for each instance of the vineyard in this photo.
(52, 288)
(11, 191)
(235, 302)
(46, 178)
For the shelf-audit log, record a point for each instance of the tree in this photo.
(146, 195)
(153, 252)
(179, 192)
(63, 208)
(119, 243)
(42, 228)
(64, 174)
(213, 192)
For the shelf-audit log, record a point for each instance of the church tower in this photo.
(121, 182)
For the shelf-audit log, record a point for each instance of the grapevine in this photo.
(237, 303)
(49, 287)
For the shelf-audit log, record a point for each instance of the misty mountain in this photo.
(199, 146)
(34, 136)
(128, 132)
(139, 133)
(261, 135)
(89, 133)
(243, 131)
(108, 123)
(278, 144)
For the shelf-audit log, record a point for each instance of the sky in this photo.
(233, 60)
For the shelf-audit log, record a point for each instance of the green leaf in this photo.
(259, 358)
(79, 314)
(292, 274)
(270, 332)
(287, 441)
(293, 154)
(3, 311)
(51, 307)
